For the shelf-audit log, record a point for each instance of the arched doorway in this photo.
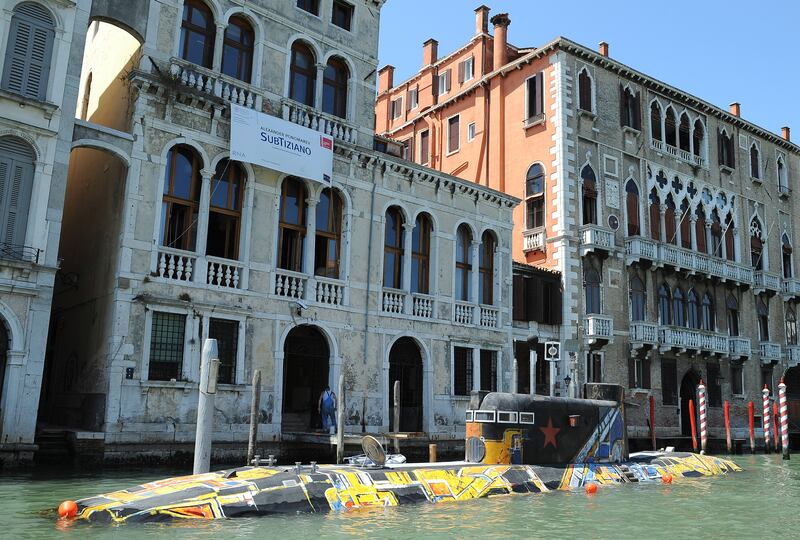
(405, 365)
(688, 391)
(305, 375)
(4, 345)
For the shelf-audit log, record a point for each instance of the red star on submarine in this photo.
(550, 433)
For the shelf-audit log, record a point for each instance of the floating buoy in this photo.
(666, 478)
(68, 509)
(591, 488)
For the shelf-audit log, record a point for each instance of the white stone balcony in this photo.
(423, 306)
(533, 240)
(770, 352)
(791, 288)
(598, 327)
(596, 238)
(187, 267)
(175, 264)
(490, 316)
(690, 339)
(224, 273)
(290, 284)
(766, 281)
(207, 81)
(739, 347)
(643, 334)
(336, 127)
(639, 247)
(673, 151)
(463, 312)
(793, 355)
(329, 291)
(393, 301)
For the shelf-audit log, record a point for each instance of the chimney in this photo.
(604, 48)
(430, 52)
(385, 79)
(482, 20)
(500, 53)
(736, 109)
(785, 133)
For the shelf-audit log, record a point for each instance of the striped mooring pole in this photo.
(692, 425)
(784, 409)
(726, 410)
(701, 401)
(765, 418)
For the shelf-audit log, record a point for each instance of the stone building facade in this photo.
(40, 66)
(671, 220)
(393, 272)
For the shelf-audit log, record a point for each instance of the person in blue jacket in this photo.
(327, 409)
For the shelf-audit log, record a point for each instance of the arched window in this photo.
(708, 320)
(534, 197)
(683, 133)
(16, 182)
(664, 305)
(698, 136)
(225, 211)
(328, 241)
(302, 74)
(678, 307)
(486, 268)
(421, 254)
(589, 191)
(783, 176)
(693, 310)
(181, 201)
(463, 263)
(394, 240)
(755, 162)
(585, 91)
(655, 122)
(700, 230)
(730, 241)
(669, 221)
(756, 245)
(237, 49)
(292, 225)
(28, 51)
(762, 312)
(591, 286)
(670, 137)
(638, 299)
(686, 225)
(655, 215)
(732, 312)
(334, 88)
(632, 208)
(716, 235)
(786, 253)
(197, 33)
(791, 325)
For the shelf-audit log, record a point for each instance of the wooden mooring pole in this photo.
(726, 409)
(255, 406)
(209, 367)
(396, 416)
(340, 420)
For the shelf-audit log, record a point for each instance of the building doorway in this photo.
(306, 363)
(792, 380)
(688, 391)
(405, 365)
(4, 338)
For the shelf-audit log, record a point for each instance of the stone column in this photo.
(408, 232)
(663, 212)
(476, 369)
(318, 86)
(710, 240)
(693, 230)
(475, 246)
(200, 273)
(216, 63)
(308, 247)
(532, 376)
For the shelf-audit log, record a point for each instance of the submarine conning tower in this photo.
(525, 429)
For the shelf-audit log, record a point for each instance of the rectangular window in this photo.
(489, 370)
(444, 82)
(342, 14)
(639, 372)
(594, 367)
(226, 333)
(669, 385)
(407, 149)
(413, 98)
(167, 338)
(535, 103)
(453, 134)
(737, 380)
(629, 109)
(424, 145)
(465, 70)
(312, 6)
(766, 377)
(462, 371)
(397, 107)
(714, 388)
(471, 131)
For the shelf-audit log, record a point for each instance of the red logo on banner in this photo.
(325, 142)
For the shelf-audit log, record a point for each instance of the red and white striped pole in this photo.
(784, 409)
(701, 400)
(765, 418)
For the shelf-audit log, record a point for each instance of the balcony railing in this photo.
(490, 317)
(683, 155)
(791, 288)
(739, 347)
(422, 306)
(639, 247)
(596, 238)
(290, 284)
(598, 327)
(394, 301)
(329, 291)
(336, 127)
(770, 352)
(673, 337)
(643, 333)
(175, 264)
(766, 281)
(19, 253)
(533, 240)
(463, 312)
(188, 267)
(793, 354)
(224, 273)
(207, 81)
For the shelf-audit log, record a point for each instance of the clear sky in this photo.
(720, 51)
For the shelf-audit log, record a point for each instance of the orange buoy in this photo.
(68, 509)
(666, 478)
(591, 488)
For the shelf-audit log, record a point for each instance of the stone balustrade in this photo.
(312, 118)
(533, 240)
(596, 238)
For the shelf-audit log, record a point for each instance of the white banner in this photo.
(274, 143)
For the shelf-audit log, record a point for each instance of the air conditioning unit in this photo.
(552, 351)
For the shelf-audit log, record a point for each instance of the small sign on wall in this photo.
(612, 193)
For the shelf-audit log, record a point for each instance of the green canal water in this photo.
(761, 502)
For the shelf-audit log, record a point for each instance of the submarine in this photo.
(516, 444)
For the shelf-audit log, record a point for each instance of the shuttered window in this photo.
(28, 52)
(535, 95)
(16, 180)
